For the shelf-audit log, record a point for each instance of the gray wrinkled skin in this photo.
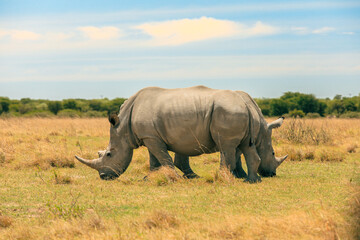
(190, 121)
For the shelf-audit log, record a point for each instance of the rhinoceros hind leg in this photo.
(182, 162)
(239, 171)
(228, 159)
(154, 163)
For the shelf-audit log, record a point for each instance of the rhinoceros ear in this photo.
(275, 124)
(114, 119)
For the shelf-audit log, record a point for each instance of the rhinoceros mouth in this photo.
(105, 176)
(267, 173)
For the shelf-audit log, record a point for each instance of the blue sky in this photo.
(93, 49)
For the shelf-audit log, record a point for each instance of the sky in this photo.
(94, 49)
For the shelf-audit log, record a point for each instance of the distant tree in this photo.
(96, 104)
(4, 102)
(25, 108)
(308, 103)
(337, 97)
(25, 100)
(115, 104)
(337, 107)
(278, 107)
(70, 104)
(55, 106)
(264, 105)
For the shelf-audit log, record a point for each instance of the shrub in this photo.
(94, 114)
(300, 131)
(331, 156)
(350, 115)
(40, 114)
(296, 113)
(69, 113)
(312, 115)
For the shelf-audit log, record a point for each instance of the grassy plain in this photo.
(45, 194)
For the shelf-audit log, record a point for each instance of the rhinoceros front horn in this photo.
(91, 163)
(281, 159)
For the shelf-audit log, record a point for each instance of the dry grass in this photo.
(161, 219)
(355, 213)
(5, 221)
(44, 194)
(163, 176)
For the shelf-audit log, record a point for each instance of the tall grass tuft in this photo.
(302, 131)
(161, 219)
(5, 221)
(163, 176)
(355, 213)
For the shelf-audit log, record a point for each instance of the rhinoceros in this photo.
(190, 122)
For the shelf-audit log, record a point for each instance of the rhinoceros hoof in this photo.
(239, 174)
(191, 176)
(249, 180)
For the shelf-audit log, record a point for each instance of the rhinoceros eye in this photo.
(273, 153)
(108, 154)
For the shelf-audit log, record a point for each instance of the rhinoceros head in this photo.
(113, 161)
(269, 162)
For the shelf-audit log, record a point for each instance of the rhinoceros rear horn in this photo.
(281, 159)
(114, 119)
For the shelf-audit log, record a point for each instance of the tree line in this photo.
(293, 104)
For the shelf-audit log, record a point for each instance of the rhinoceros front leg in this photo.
(182, 162)
(239, 171)
(158, 149)
(252, 161)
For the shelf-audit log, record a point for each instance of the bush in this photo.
(55, 106)
(42, 114)
(94, 114)
(297, 113)
(69, 113)
(331, 156)
(312, 115)
(302, 131)
(350, 115)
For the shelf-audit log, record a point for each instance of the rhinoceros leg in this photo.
(228, 158)
(159, 150)
(182, 162)
(239, 171)
(154, 163)
(252, 161)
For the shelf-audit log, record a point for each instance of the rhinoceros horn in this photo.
(281, 159)
(91, 163)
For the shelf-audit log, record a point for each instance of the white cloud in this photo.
(100, 33)
(348, 33)
(177, 32)
(323, 30)
(58, 36)
(300, 30)
(19, 35)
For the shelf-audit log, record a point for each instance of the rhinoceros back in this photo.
(187, 119)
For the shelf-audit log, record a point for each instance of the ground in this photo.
(45, 194)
